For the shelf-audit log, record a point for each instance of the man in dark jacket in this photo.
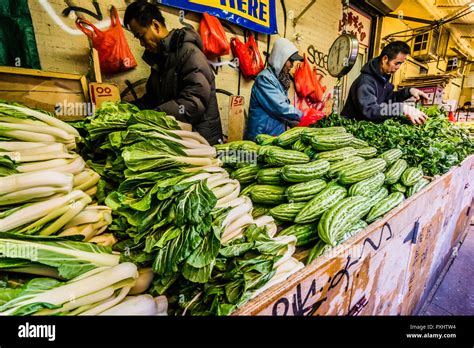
(181, 82)
(371, 96)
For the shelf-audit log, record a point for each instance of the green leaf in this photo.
(33, 288)
(206, 253)
(198, 275)
(194, 204)
(236, 250)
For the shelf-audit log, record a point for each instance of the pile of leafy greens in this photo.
(165, 216)
(436, 146)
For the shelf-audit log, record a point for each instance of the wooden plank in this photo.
(39, 73)
(368, 273)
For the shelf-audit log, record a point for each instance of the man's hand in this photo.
(414, 115)
(417, 94)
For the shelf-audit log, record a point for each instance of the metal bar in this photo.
(411, 19)
(297, 18)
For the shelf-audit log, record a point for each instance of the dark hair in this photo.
(143, 12)
(393, 49)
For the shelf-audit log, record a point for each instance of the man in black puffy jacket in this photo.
(371, 96)
(181, 82)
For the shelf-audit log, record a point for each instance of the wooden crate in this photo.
(45, 90)
(390, 267)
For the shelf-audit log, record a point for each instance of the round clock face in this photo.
(342, 55)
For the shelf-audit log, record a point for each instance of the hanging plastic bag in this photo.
(250, 60)
(213, 37)
(310, 116)
(307, 83)
(114, 53)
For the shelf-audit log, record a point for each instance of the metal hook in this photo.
(232, 63)
(182, 15)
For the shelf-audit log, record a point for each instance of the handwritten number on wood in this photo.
(286, 305)
(298, 305)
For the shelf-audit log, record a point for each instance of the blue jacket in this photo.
(270, 107)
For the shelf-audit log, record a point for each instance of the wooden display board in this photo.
(387, 269)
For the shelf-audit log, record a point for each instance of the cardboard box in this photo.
(435, 95)
(101, 92)
(236, 118)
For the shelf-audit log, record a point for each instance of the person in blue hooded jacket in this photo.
(270, 107)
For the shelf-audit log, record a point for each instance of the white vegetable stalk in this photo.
(93, 180)
(269, 222)
(237, 212)
(57, 133)
(143, 282)
(31, 194)
(36, 211)
(161, 305)
(22, 121)
(95, 297)
(134, 305)
(87, 230)
(98, 259)
(18, 182)
(54, 147)
(225, 200)
(28, 136)
(75, 208)
(90, 215)
(17, 157)
(224, 191)
(104, 239)
(37, 166)
(50, 120)
(237, 201)
(86, 286)
(282, 273)
(194, 161)
(214, 178)
(74, 167)
(215, 183)
(191, 135)
(290, 241)
(108, 303)
(19, 145)
(209, 169)
(184, 143)
(197, 177)
(201, 152)
(92, 191)
(235, 229)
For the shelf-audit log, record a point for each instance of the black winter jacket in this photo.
(370, 93)
(183, 85)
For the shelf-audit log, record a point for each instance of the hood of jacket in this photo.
(372, 67)
(282, 50)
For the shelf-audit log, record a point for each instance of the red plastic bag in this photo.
(310, 116)
(250, 60)
(307, 83)
(114, 54)
(213, 37)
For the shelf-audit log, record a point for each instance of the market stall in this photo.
(126, 187)
(126, 213)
